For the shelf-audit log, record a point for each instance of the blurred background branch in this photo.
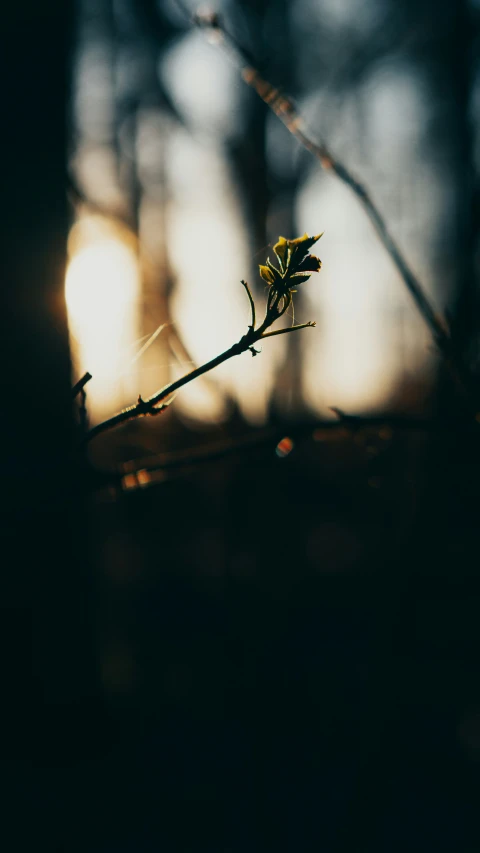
(285, 110)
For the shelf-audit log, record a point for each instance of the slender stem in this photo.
(153, 406)
(309, 325)
(252, 303)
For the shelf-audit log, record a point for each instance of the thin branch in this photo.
(252, 303)
(80, 385)
(285, 110)
(152, 407)
(309, 325)
(148, 343)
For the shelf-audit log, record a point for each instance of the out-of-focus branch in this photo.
(79, 389)
(317, 430)
(154, 470)
(285, 110)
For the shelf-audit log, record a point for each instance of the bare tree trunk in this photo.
(45, 583)
(462, 42)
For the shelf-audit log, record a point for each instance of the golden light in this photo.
(209, 253)
(355, 357)
(102, 292)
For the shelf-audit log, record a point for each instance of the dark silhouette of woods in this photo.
(49, 681)
(262, 651)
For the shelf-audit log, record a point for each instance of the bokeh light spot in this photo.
(284, 447)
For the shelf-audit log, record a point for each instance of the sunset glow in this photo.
(102, 291)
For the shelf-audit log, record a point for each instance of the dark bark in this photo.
(45, 581)
(462, 43)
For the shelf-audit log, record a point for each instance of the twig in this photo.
(80, 385)
(285, 110)
(148, 343)
(310, 325)
(151, 406)
(295, 266)
(252, 303)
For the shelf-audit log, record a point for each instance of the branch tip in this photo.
(80, 385)
(252, 304)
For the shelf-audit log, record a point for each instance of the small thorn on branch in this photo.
(147, 407)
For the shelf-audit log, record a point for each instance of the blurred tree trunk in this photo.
(45, 583)
(248, 153)
(462, 43)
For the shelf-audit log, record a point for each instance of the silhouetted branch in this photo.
(151, 406)
(252, 303)
(79, 388)
(295, 265)
(311, 324)
(80, 385)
